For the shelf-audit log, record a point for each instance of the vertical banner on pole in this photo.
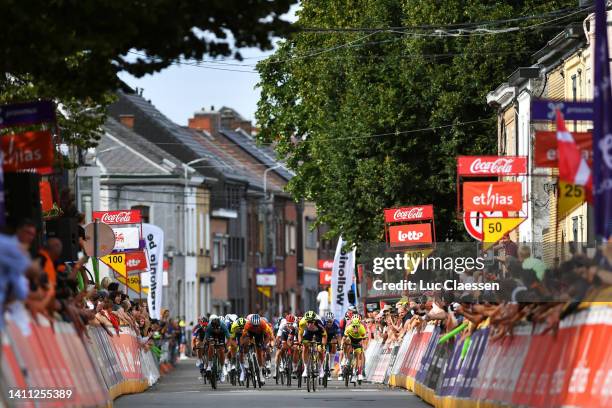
(2, 220)
(342, 278)
(602, 127)
(154, 240)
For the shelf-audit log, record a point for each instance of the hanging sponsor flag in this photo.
(28, 113)
(27, 150)
(602, 129)
(569, 197)
(545, 109)
(46, 197)
(118, 217)
(484, 166)
(415, 213)
(546, 147)
(573, 168)
(342, 278)
(410, 234)
(494, 229)
(492, 196)
(154, 240)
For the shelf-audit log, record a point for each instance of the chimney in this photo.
(209, 121)
(127, 121)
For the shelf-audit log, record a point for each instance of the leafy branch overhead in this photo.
(345, 100)
(80, 46)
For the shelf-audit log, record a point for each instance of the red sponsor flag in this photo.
(573, 168)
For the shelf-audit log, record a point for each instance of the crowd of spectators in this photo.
(37, 280)
(529, 292)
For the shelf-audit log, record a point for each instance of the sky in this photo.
(180, 90)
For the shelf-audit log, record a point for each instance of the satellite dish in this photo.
(106, 239)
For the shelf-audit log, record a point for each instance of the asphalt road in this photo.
(181, 388)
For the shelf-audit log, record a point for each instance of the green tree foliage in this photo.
(342, 105)
(79, 46)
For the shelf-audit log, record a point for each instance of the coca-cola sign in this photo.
(118, 217)
(326, 263)
(491, 165)
(404, 214)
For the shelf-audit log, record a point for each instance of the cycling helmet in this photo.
(241, 321)
(290, 318)
(355, 321)
(255, 320)
(329, 316)
(352, 308)
(231, 318)
(214, 320)
(204, 319)
(310, 316)
(348, 315)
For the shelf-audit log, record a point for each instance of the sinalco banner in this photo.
(342, 278)
(154, 241)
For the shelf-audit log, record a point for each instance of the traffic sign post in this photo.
(473, 221)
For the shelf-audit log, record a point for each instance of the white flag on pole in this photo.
(342, 279)
(154, 241)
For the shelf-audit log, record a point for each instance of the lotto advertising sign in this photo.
(409, 214)
(484, 166)
(492, 196)
(411, 234)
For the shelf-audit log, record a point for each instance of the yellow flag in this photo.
(267, 292)
(116, 262)
(571, 197)
(494, 229)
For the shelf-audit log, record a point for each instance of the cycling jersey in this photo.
(304, 322)
(285, 327)
(219, 333)
(236, 330)
(333, 330)
(261, 330)
(314, 334)
(356, 334)
(199, 331)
